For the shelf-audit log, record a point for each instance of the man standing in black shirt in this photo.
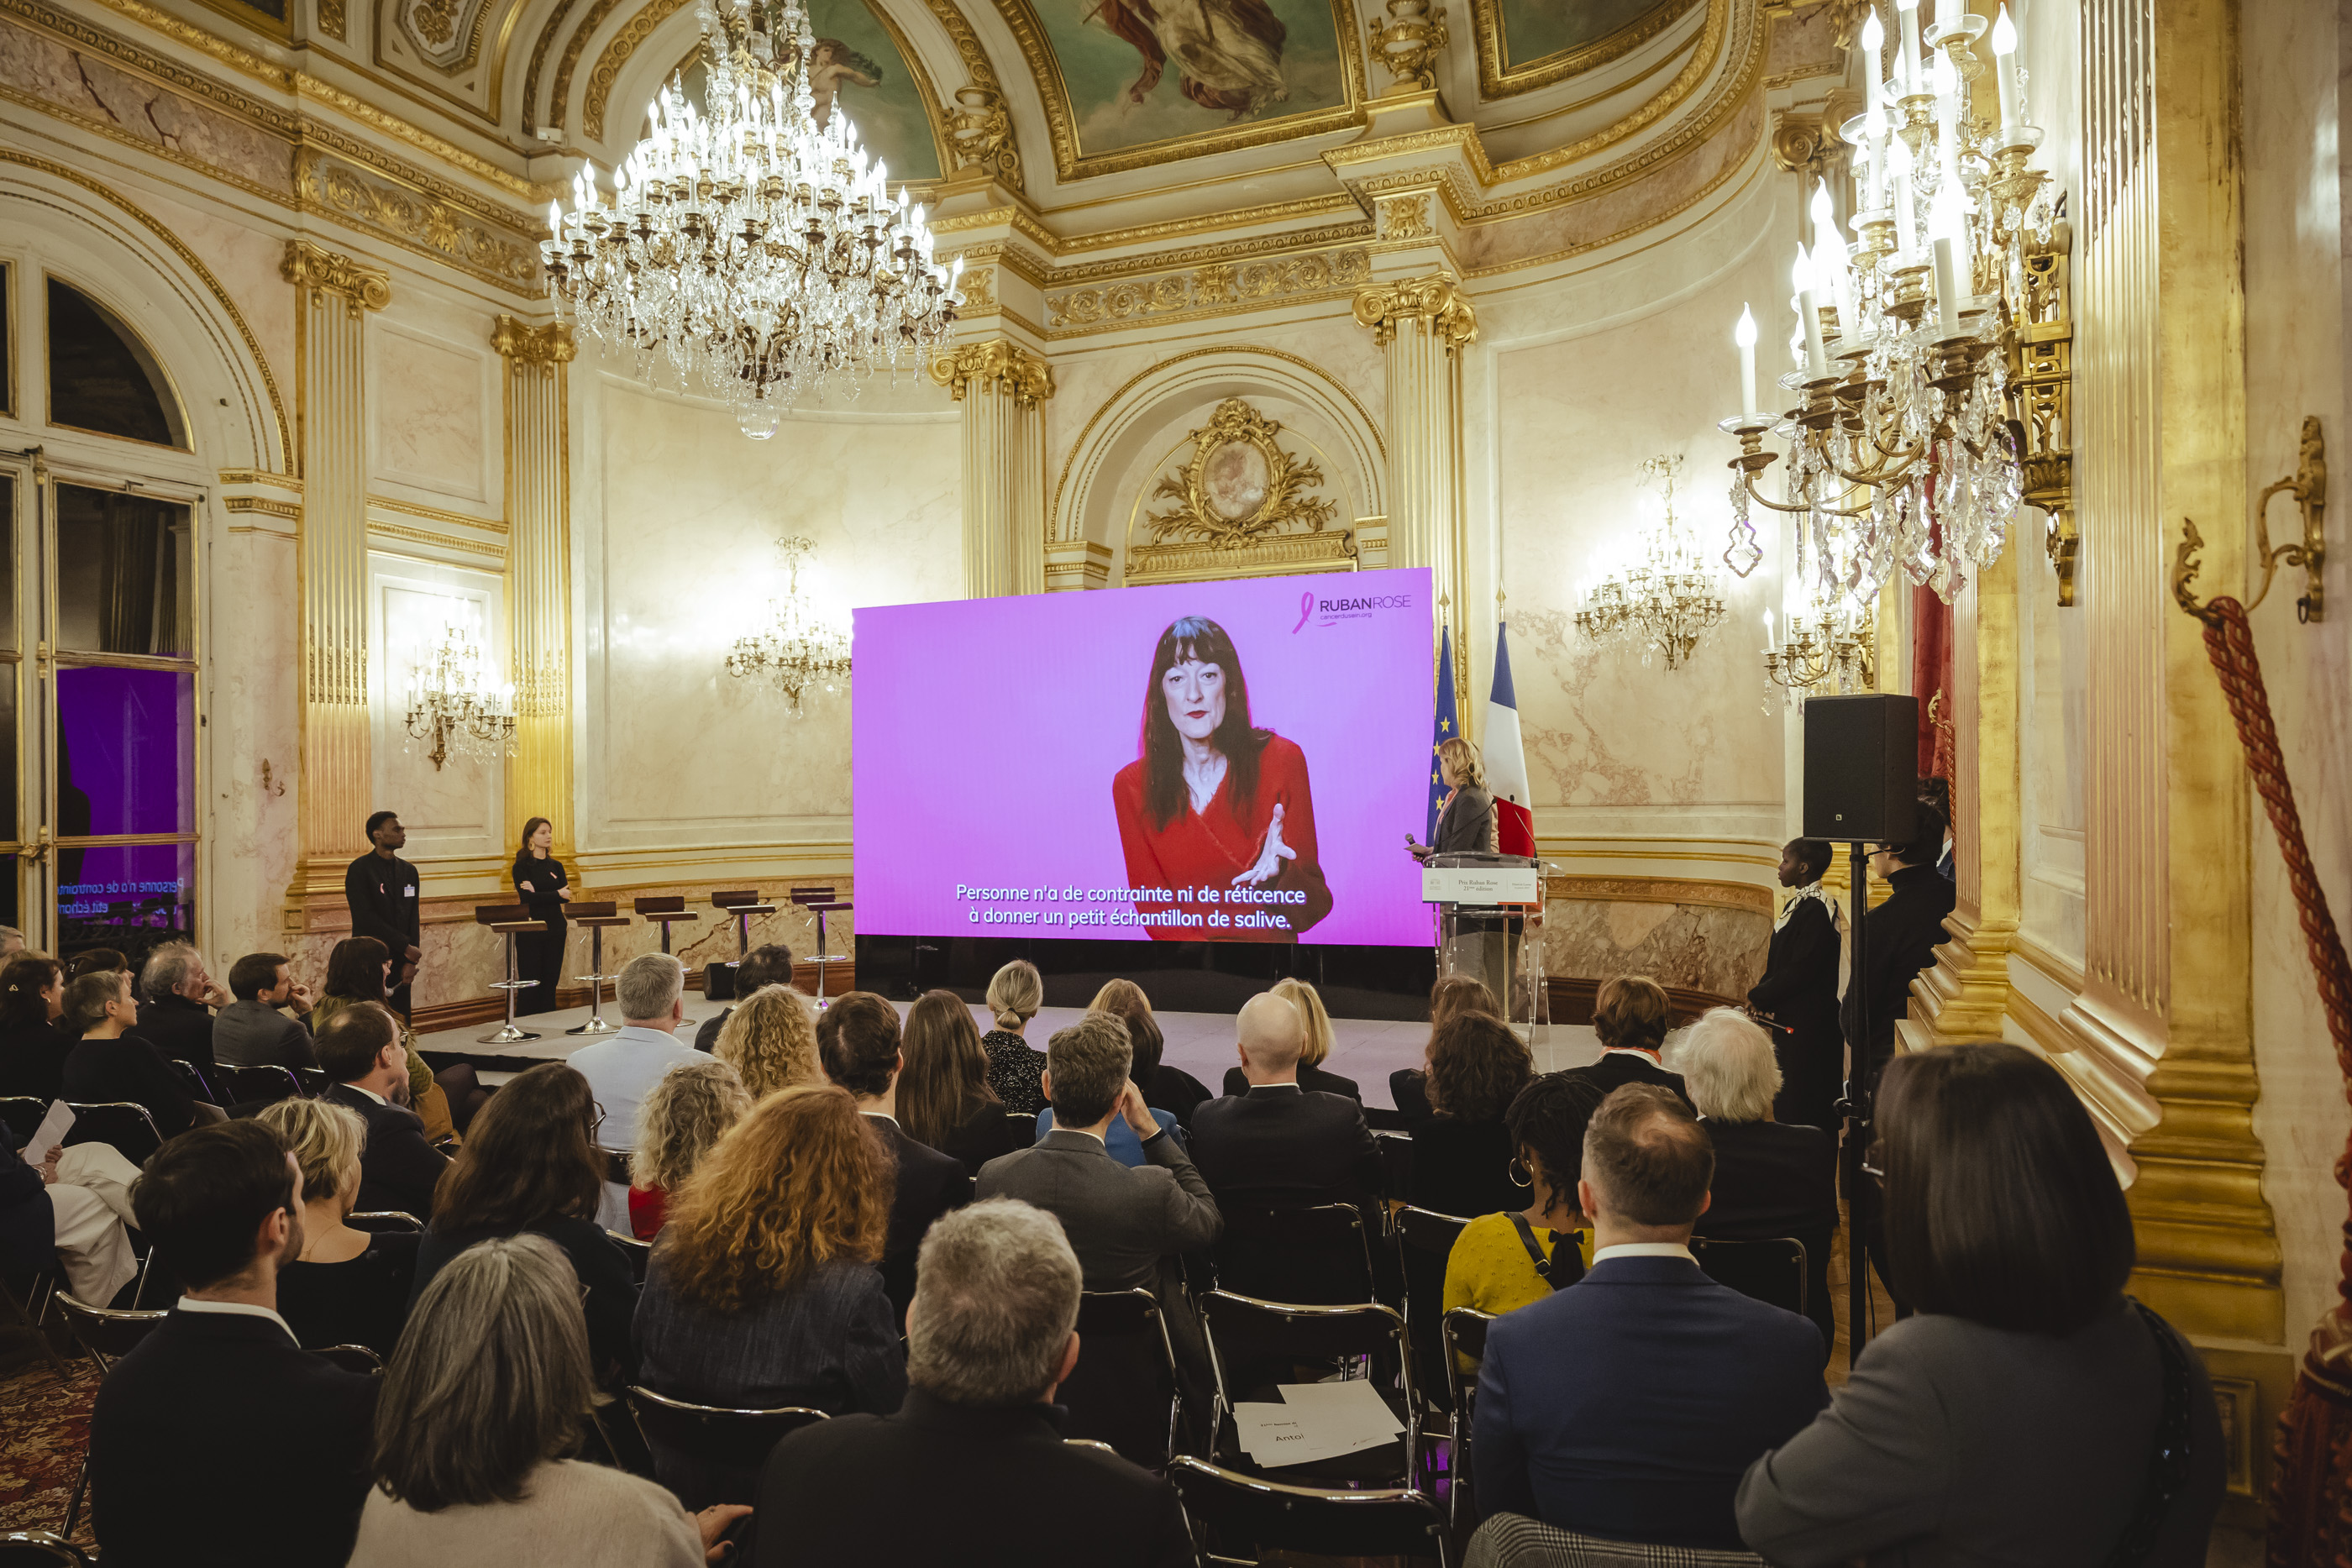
(1796, 998)
(1899, 939)
(381, 889)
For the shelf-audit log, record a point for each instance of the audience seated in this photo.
(110, 1065)
(178, 997)
(686, 1113)
(2025, 1375)
(973, 1470)
(944, 1099)
(1129, 1227)
(1462, 1154)
(68, 1207)
(360, 1050)
(490, 1389)
(32, 1048)
(763, 1292)
(251, 1031)
(1014, 994)
(357, 968)
(95, 960)
(531, 1165)
(220, 1442)
(623, 1067)
(1628, 1405)
(347, 1287)
(1449, 998)
(857, 1040)
(1164, 1087)
(1282, 1142)
(1319, 1040)
(1770, 1178)
(1631, 1014)
(1493, 1264)
(769, 964)
(770, 1040)
(1121, 1140)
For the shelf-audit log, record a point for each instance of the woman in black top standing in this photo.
(540, 884)
(32, 1048)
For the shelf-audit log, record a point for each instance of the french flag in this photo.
(1507, 762)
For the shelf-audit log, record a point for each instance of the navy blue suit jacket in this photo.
(1630, 1404)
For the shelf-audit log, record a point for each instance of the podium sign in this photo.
(1480, 885)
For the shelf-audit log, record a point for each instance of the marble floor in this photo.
(1367, 1050)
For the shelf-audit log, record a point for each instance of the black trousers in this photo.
(1812, 1075)
(538, 956)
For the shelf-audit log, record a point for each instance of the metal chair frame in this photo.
(1314, 1509)
(383, 1221)
(640, 1254)
(1266, 1222)
(123, 1110)
(1148, 1305)
(28, 1546)
(282, 1083)
(1024, 1129)
(356, 1358)
(197, 1081)
(107, 1335)
(1222, 1303)
(712, 1426)
(597, 918)
(1755, 1247)
(1462, 1331)
(32, 1312)
(509, 921)
(22, 1114)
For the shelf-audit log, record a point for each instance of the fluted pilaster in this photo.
(1003, 388)
(539, 596)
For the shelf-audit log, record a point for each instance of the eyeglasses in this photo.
(596, 1117)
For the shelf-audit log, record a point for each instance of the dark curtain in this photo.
(139, 568)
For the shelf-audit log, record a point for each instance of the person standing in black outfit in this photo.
(540, 885)
(32, 1048)
(381, 889)
(1899, 939)
(1796, 998)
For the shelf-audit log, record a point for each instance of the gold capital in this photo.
(322, 271)
(1437, 300)
(528, 345)
(995, 366)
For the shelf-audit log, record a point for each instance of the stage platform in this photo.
(1367, 1050)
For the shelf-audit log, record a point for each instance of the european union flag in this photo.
(1448, 725)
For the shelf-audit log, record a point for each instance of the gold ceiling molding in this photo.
(558, 97)
(996, 365)
(436, 515)
(1239, 217)
(1037, 53)
(1499, 78)
(1216, 288)
(539, 50)
(1437, 300)
(262, 476)
(1355, 233)
(203, 275)
(289, 510)
(361, 288)
(419, 536)
(1715, 37)
(616, 55)
(981, 129)
(330, 19)
(415, 220)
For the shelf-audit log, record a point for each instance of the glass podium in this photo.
(1488, 906)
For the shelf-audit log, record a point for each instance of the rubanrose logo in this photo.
(1306, 608)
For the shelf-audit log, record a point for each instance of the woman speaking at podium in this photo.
(1467, 820)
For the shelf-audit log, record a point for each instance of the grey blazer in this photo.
(253, 1034)
(1956, 1444)
(1469, 823)
(1122, 1223)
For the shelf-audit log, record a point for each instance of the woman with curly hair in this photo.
(770, 1040)
(762, 1290)
(1448, 999)
(679, 1122)
(1462, 1154)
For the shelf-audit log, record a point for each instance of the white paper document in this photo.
(1316, 1421)
(50, 1132)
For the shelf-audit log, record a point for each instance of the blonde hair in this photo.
(770, 1040)
(1318, 1023)
(1466, 761)
(688, 1112)
(325, 1139)
(1015, 993)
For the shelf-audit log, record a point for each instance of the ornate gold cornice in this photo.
(380, 531)
(1437, 300)
(525, 344)
(1214, 288)
(980, 129)
(995, 366)
(411, 219)
(436, 515)
(322, 271)
(1497, 78)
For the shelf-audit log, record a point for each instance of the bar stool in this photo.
(595, 917)
(665, 912)
(820, 902)
(742, 904)
(511, 921)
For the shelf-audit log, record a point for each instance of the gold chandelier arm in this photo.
(1762, 500)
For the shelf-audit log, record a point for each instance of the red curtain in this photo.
(1931, 679)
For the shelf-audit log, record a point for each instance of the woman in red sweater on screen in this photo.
(1214, 808)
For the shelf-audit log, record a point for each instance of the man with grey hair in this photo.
(179, 996)
(972, 1468)
(1280, 1143)
(1771, 1178)
(623, 1068)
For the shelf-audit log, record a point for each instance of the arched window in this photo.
(102, 379)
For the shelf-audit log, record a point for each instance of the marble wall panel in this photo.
(1700, 946)
(254, 708)
(435, 411)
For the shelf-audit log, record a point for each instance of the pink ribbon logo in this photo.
(1306, 608)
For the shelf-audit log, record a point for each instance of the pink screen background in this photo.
(985, 733)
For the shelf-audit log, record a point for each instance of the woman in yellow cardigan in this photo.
(1502, 1262)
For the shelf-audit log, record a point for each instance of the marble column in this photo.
(331, 340)
(1423, 325)
(539, 571)
(1001, 387)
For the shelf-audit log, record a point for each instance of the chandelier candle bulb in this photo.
(1744, 334)
(1874, 70)
(1817, 359)
(2004, 55)
(1907, 13)
(1945, 224)
(1906, 219)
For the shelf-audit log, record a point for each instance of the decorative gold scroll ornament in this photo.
(1239, 486)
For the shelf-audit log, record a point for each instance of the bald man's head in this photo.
(1272, 1036)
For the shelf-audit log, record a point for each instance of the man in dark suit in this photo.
(1628, 1405)
(770, 963)
(113, 1064)
(990, 1337)
(1796, 997)
(1630, 1015)
(381, 890)
(251, 1031)
(1899, 939)
(220, 1393)
(360, 1049)
(1278, 1142)
(857, 1041)
(179, 997)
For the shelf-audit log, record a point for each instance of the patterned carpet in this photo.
(43, 1426)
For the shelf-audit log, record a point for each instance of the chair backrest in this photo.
(314, 1080)
(1769, 1270)
(1515, 1540)
(1242, 1330)
(22, 1114)
(736, 898)
(195, 1081)
(1318, 1254)
(617, 1167)
(124, 1123)
(1396, 1164)
(640, 1253)
(1246, 1514)
(268, 1084)
(1124, 1391)
(1424, 1239)
(732, 1439)
(356, 1358)
(1463, 1333)
(383, 1221)
(1021, 1128)
(39, 1549)
(107, 1334)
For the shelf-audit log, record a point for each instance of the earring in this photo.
(1520, 1174)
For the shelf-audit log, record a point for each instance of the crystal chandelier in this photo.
(798, 650)
(1926, 410)
(453, 703)
(749, 253)
(1669, 600)
(1832, 652)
